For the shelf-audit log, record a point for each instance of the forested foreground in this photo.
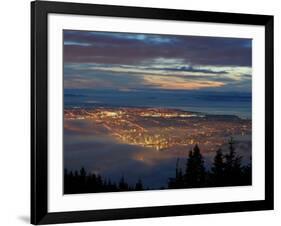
(226, 170)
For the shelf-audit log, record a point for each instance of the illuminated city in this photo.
(162, 129)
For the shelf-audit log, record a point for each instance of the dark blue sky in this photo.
(128, 62)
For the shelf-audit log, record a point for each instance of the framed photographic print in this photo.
(144, 112)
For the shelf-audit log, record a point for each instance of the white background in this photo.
(15, 113)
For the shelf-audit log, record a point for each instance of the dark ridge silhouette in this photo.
(226, 170)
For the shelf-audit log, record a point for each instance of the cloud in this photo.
(177, 83)
(130, 48)
(129, 77)
(192, 69)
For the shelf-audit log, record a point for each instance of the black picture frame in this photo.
(39, 112)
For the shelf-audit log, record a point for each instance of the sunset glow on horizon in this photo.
(127, 61)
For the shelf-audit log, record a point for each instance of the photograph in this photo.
(155, 111)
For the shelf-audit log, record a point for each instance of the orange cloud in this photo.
(180, 83)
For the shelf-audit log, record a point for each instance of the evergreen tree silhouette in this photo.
(233, 170)
(195, 170)
(139, 185)
(188, 176)
(92, 182)
(123, 186)
(82, 179)
(66, 181)
(217, 177)
(247, 174)
(99, 185)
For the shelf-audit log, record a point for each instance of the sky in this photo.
(133, 61)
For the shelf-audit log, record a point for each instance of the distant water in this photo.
(223, 103)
